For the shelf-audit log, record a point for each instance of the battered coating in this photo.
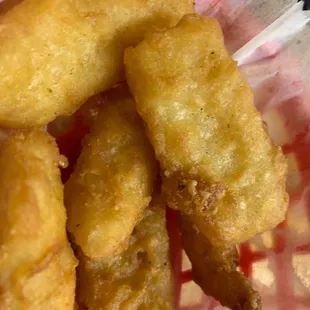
(55, 54)
(140, 278)
(218, 163)
(214, 270)
(37, 265)
(113, 181)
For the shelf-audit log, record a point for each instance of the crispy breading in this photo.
(140, 278)
(113, 181)
(55, 54)
(214, 269)
(37, 265)
(218, 163)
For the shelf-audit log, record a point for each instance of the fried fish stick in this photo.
(113, 181)
(214, 270)
(140, 278)
(37, 265)
(55, 54)
(218, 163)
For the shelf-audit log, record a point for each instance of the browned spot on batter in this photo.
(190, 194)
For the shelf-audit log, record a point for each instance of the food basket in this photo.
(278, 70)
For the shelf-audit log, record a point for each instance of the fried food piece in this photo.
(55, 54)
(37, 265)
(113, 181)
(140, 278)
(214, 269)
(218, 163)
